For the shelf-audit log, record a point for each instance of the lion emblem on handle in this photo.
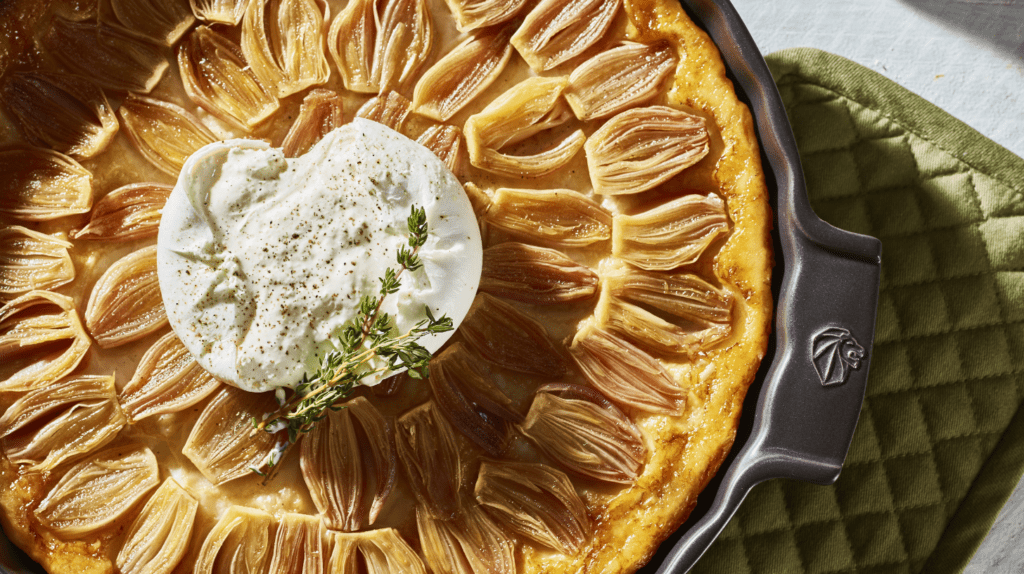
(834, 353)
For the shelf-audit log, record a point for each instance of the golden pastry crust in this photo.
(684, 452)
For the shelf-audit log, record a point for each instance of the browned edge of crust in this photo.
(54, 555)
(686, 454)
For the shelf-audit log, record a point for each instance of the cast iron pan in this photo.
(825, 284)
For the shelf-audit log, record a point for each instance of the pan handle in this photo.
(825, 325)
(812, 394)
(812, 397)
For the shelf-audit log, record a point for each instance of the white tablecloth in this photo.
(966, 56)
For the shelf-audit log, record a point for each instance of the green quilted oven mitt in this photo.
(940, 442)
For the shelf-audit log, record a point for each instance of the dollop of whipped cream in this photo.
(262, 260)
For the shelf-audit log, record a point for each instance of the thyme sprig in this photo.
(368, 346)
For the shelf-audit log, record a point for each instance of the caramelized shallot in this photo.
(507, 337)
(581, 430)
(39, 185)
(469, 544)
(625, 373)
(69, 114)
(162, 21)
(222, 443)
(379, 44)
(125, 304)
(693, 314)
(167, 380)
(298, 546)
(535, 275)
(559, 217)
(390, 109)
(556, 31)
(49, 425)
(620, 78)
(643, 147)
(670, 235)
(528, 108)
(159, 537)
(446, 143)
(96, 493)
(128, 213)
(473, 14)
(218, 79)
(341, 465)
(238, 544)
(228, 12)
(478, 198)
(29, 325)
(164, 133)
(111, 56)
(460, 76)
(474, 405)
(283, 41)
(390, 385)
(320, 114)
(430, 456)
(536, 501)
(31, 260)
(682, 295)
(378, 551)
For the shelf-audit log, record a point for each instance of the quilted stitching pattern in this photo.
(946, 375)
